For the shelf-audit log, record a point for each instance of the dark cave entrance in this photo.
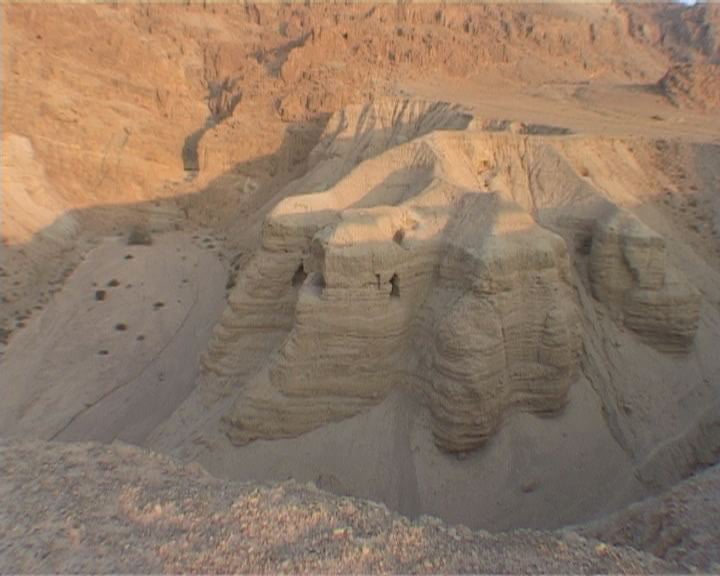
(299, 276)
(395, 286)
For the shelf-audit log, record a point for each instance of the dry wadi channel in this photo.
(366, 288)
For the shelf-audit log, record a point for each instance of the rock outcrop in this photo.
(431, 253)
(507, 335)
(630, 273)
(403, 276)
(677, 525)
(693, 85)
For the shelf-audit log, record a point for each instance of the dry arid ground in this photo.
(374, 287)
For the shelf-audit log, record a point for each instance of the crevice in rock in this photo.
(299, 276)
(222, 100)
(395, 286)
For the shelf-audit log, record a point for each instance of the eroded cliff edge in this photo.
(430, 249)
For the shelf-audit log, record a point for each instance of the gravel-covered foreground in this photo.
(102, 509)
(682, 525)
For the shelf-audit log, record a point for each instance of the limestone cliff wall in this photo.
(442, 260)
(630, 273)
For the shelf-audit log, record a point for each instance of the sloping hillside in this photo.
(118, 509)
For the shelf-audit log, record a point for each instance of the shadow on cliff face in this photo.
(190, 152)
(222, 98)
(224, 202)
(227, 203)
(30, 272)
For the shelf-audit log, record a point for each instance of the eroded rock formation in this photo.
(630, 273)
(436, 258)
(507, 335)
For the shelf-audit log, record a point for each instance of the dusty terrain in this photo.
(461, 260)
(118, 509)
(154, 304)
(678, 525)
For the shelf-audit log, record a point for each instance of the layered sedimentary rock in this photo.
(480, 322)
(402, 274)
(629, 272)
(508, 334)
(425, 252)
(264, 301)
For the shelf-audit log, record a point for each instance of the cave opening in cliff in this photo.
(299, 276)
(394, 286)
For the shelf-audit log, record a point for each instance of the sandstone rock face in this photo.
(431, 259)
(693, 85)
(630, 273)
(29, 202)
(508, 338)
(407, 277)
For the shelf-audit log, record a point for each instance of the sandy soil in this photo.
(388, 454)
(116, 350)
(603, 108)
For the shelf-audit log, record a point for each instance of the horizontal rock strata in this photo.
(431, 262)
(630, 273)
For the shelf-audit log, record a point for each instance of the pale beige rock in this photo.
(29, 201)
(510, 340)
(629, 272)
(426, 265)
(412, 277)
(422, 249)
